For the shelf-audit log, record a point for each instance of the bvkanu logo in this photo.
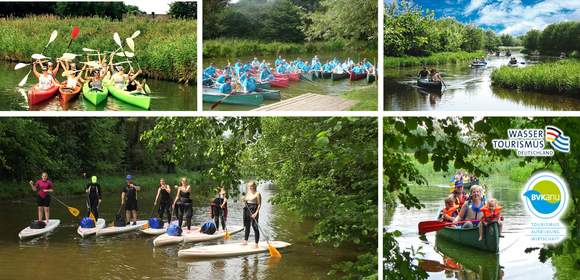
(532, 142)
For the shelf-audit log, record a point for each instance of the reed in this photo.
(434, 59)
(553, 77)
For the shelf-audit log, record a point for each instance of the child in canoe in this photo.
(450, 211)
(491, 213)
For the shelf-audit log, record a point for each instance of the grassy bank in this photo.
(109, 183)
(434, 59)
(366, 98)
(554, 77)
(166, 48)
(245, 48)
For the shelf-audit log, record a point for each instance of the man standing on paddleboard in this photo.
(129, 199)
(42, 188)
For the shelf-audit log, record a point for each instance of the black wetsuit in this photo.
(130, 198)
(249, 209)
(164, 205)
(185, 209)
(219, 213)
(93, 200)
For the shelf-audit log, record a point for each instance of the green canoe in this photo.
(470, 237)
(94, 96)
(211, 95)
(269, 94)
(485, 264)
(137, 99)
(263, 85)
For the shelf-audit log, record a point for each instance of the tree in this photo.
(353, 20)
(507, 40)
(134, 10)
(406, 30)
(185, 10)
(492, 42)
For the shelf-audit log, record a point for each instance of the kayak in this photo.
(341, 76)
(155, 231)
(429, 84)
(470, 237)
(68, 95)
(355, 77)
(36, 96)
(118, 230)
(89, 231)
(485, 263)
(29, 233)
(249, 99)
(229, 250)
(280, 82)
(478, 64)
(326, 75)
(371, 78)
(94, 96)
(193, 236)
(137, 99)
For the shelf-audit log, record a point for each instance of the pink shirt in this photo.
(42, 185)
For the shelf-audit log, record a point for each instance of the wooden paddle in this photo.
(429, 226)
(75, 212)
(53, 36)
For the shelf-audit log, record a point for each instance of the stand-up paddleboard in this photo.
(90, 231)
(193, 236)
(229, 250)
(118, 230)
(29, 232)
(155, 231)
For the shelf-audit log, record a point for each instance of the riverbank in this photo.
(366, 98)
(234, 48)
(166, 48)
(109, 184)
(434, 59)
(552, 77)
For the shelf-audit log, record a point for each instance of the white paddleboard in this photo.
(28, 232)
(193, 236)
(118, 230)
(229, 250)
(90, 231)
(166, 239)
(155, 231)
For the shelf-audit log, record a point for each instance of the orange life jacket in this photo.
(449, 212)
(489, 215)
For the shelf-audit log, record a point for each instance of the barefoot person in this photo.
(164, 199)
(491, 213)
(43, 188)
(219, 207)
(183, 203)
(129, 199)
(253, 202)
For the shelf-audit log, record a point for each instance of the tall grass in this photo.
(553, 77)
(434, 59)
(166, 48)
(366, 98)
(242, 48)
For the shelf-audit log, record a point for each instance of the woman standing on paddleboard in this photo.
(164, 192)
(43, 188)
(183, 203)
(129, 199)
(93, 189)
(253, 202)
(220, 209)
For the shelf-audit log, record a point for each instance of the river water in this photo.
(444, 260)
(324, 87)
(64, 255)
(469, 89)
(166, 96)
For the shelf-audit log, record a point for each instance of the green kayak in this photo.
(470, 237)
(136, 99)
(211, 95)
(94, 96)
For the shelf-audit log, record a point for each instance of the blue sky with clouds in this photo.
(513, 17)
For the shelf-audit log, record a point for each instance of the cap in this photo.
(94, 179)
(458, 184)
(129, 177)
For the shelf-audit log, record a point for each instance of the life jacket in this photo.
(451, 212)
(471, 206)
(489, 215)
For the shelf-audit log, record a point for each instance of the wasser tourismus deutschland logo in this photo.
(546, 197)
(532, 142)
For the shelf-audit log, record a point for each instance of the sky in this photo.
(514, 17)
(157, 6)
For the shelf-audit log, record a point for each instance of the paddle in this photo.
(117, 40)
(75, 212)
(53, 36)
(118, 215)
(73, 35)
(222, 100)
(131, 45)
(429, 226)
(273, 251)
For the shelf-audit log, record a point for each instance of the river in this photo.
(166, 96)
(469, 89)
(324, 87)
(63, 254)
(441, 255)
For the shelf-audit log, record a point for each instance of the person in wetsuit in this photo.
(164, 192)
(183, 203)
(93, 189)
(129, 199)
(253, 202)
(220, 206)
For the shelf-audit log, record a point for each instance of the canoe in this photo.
(135, 99)
(336, 76)
(269, 94)
(294, 76)
(263, 85)
(429, 84)
(211, 95)
(36, 96)
(280, 83)
(29, 233)
(118, 230)
(68, 95)
(512, 64)
(470, 237)
(310, 76)
(326, 75)
(356, 77)
(90, 231)
(371, 78)
(155, 231)
(479, 64)
(229, 250)
(94, 96)
(193, 236)
(485, 264)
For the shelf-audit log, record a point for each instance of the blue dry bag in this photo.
(208, 228)
(155, 223)
(174, 230)
(87, 222)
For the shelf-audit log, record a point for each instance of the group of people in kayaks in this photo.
(181, 205)
(247, 75)
(471, 210)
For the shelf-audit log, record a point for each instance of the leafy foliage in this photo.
(555, 38)
(353, 20)
(113, 10)
(183, 10)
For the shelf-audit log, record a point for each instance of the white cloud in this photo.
(474, 5)
(157, 6)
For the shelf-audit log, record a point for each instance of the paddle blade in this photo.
(20, 66)
(24, 80)
(73, 211)
(273, 251)
(146, 88)
(75, 32)
(38, 56)
(145, 226)
(117, 39)
(130, 43)
(68, 56)
(92, 217)
(88, 50)
(227, 235)
(53, 36)
(135, 34)
(429, 226)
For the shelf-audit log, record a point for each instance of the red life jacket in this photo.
(489, 215)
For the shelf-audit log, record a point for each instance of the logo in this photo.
(546, 195)
(557, 139)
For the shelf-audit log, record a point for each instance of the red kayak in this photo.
(67, 95)
(280, 82)
(289, 76)
(355, 77)
(36, 96)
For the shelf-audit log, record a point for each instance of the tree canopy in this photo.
(113, 10)
(555, 38)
